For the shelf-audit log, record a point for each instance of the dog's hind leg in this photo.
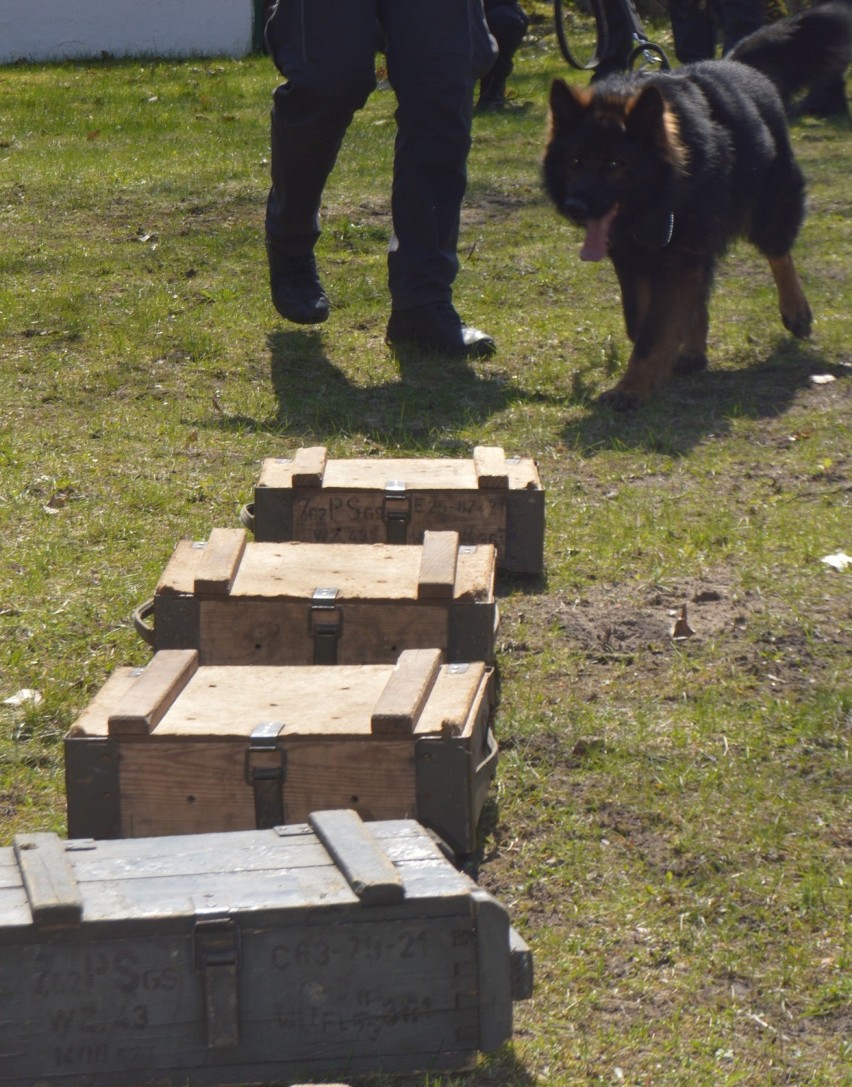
(776, 217)
(795, 311)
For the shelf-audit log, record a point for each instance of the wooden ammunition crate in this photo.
(490, 498)
(240, 602)
(175, 748)
(301, 952)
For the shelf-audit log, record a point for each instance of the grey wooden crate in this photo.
(321, 950)
(179, 748)
(243, 602)
(489, 498)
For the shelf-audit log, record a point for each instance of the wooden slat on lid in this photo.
(309, 466)
(491, 471)
(48, 878)
(438, 561)
(359, 857)
(220, 561)
(148, 701)
(406, 692)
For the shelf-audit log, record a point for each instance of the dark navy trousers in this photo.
(326, 51)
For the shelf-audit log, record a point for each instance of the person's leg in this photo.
(435, 54)
(618, 44)
(508, 23)
(739, 19)
(693, 30)
(326, 52)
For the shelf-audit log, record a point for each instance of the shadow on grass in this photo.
(316, 399)
(687, 410)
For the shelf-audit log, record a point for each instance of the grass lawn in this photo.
(670, 826)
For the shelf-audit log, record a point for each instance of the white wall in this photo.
(56, 29)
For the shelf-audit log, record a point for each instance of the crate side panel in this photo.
(196, 787)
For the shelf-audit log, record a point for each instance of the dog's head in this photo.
(611, 155)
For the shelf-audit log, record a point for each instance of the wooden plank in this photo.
(178, 578)
(48, 878)
(495, 974)
(309, 466)
(269, 632)
(417, 473)
(149, 699)
(223, 701)
(93, 719)
(275, 473)
(476, 573)
(523, 474)
(401, 702)
(358, 571)
(491, 471)
(358, 856)
(438, 561)
(180, 787)
(448, 711)
(220, 561)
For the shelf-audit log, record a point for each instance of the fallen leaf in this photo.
(22, 697)
(681, 629)
(838, 561)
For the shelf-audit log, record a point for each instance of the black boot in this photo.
(297, 293)
(437, 327)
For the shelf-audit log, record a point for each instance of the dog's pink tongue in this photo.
(597, 235)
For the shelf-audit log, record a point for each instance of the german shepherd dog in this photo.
(665, 170)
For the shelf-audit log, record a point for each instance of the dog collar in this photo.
(655, 245)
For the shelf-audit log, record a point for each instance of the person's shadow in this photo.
(316, 399)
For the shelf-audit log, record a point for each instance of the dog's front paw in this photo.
(619, 400)
(799, 323)
(692, 363)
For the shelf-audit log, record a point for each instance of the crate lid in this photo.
(334, 860)
(173, 698)
(487, 469)
(229, 565)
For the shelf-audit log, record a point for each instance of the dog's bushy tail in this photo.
(803, 52)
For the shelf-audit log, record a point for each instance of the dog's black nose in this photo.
(576, 209)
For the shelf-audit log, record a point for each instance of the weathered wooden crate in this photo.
(489, 498)
(241, 602)
(301, 952)
(175, 748)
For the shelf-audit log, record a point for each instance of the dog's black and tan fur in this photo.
(664, 171)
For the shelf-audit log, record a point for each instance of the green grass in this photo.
(670, 826)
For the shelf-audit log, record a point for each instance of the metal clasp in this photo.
(264, 770)
(325, 624)
(396, 512)
(216, 953)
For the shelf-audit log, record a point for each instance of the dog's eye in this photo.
(575, 162)
(614, 167)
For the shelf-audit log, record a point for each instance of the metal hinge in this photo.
(325, 622)
(265, 770)
(396, 512)
(216, 951)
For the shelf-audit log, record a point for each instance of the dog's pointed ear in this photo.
(566, 105)
(650, 119)
(646, 113)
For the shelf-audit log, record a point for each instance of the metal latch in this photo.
(325, 622)
(216, 951)
(265, 769)
(396, 512)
